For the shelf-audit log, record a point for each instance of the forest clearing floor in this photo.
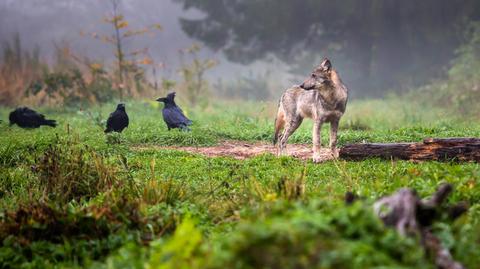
(241, 150)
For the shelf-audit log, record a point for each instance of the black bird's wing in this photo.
(32, 118)
(117, 121)
(186, 120)
(27, 112)
(174, 117)
(110, 119)
(110, 123)
(27, 117)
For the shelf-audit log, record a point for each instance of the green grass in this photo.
(171, 209)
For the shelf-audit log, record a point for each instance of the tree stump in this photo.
(411, 215)
(438, 149)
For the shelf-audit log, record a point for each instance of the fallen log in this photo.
(439, 149)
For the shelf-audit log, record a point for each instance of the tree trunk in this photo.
(118, 46)
(447, 149)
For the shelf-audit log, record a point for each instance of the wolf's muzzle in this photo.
(305, 87)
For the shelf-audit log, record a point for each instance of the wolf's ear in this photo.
(326, 65)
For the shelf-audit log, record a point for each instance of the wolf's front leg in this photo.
(317, 140)
(333, 137)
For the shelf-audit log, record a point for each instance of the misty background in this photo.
(378, 46)
(44, 22)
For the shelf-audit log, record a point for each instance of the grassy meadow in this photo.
(72, 197)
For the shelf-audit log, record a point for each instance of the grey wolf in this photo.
(118, 120)
(172, 114)
(322, 97)
(29, 118)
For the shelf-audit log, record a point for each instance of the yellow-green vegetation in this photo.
(73, 197)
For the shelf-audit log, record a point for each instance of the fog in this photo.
(42, 22)
(377, 49)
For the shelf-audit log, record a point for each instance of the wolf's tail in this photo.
(275, 136)
(52, 123)
(279, 123)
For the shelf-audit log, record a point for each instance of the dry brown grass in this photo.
(27, 79)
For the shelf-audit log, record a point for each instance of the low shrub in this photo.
(41, 233)
(73, 172)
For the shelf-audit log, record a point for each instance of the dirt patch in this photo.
(242, 150)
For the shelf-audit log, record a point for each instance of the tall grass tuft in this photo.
(73, 172)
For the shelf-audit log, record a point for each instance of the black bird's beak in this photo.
(162, 99)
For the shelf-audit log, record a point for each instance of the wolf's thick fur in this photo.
(322, 97)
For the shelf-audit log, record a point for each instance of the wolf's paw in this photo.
(317, 158)
(335, 153)
(281, 152)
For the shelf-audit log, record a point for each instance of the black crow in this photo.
(29, 118)
(172, 114)
(118, 120)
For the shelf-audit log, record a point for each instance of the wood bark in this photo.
(439, 149)
(410, 215)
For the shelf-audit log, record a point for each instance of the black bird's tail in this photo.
(185, 128)
(52, 123)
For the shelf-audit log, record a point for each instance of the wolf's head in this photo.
(320, 77)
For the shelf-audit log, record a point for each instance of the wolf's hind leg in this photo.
(277, 146)
(290, 127)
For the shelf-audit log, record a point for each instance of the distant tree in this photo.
(383, 43)
(126, 61)
(193, 72)
(18, 69)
